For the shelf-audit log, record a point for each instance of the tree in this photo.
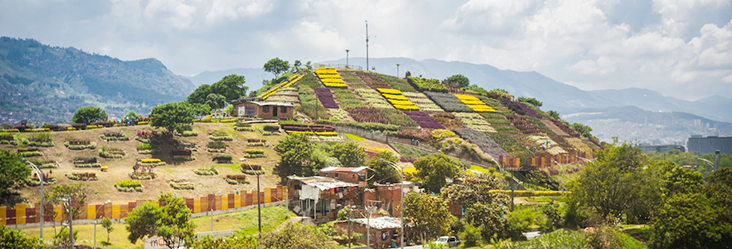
(582, 129)
(434, 169)
(620, 181)
(171, 221)
(499, 93)
(130, 114)
(349, 154)
(89, 114)
(295, 235)
(12, 238)
(215, 100)
(276, 66)
(428, 214)
(228, 242)
(172, 116)
(309, 65)
(13, 173)
(294, 150)
(201, 109)
(383, 172)
(532, 101)
(76, 193)
(107, 224)
(482, 208)
(457, 80)
(296, 65)
(554, 114)
(231, 87)
(199, 95)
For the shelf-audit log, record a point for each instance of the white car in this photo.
(449, 241)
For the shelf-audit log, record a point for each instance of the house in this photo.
(355, 175)
(321, 197)
(384, 231)
(388, 195)
(250, 107)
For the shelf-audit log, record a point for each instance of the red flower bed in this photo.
(523, 124)
(254, 166)
(366, 114)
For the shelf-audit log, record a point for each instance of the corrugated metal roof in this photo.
(381, 222)
(272, 103)
(322, 183)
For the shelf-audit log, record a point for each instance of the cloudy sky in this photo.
(679, 48)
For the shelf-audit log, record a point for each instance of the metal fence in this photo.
(319, 65)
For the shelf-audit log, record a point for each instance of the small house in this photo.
(248, 107)
(320, 197)
(355, 175)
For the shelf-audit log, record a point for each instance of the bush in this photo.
(182, 185)
(206, 172)
(79, 145)
(129, 185)
(271, 128)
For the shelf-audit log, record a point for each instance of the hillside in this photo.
(46, 84)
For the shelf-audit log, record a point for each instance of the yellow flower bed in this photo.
(327, 133)
(144, 122)
(231, 120)
(410, 170)
(474, 103)
(335, 85)
(71, 129)
(442, 133)
(89, 127)
(525, 193)
(150, 160)
(407, 107)
(389, 91)
(292, 80)
(300, 132)
(36, 130)
(11, 130)
(378, 149)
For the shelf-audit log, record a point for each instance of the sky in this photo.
(679, 48)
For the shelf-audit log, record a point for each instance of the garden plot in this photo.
(285, 95)
(549, 124)
(339, 114)
(346, 98)
(352, 80)
(448, 120)
(396, 98)
(448, 102)
(373, 98)
(330, 78)
(285, 84)
(474, 121)
(396, 83)
(325, 97)
(424, 120)
(495, 104)
(523, 124)
(367, 114)
(372, 80)
(499, 122)
(474, 103)
(422, 101)
(484, 142)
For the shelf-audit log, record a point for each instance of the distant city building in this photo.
(708, 145)
(661, 148)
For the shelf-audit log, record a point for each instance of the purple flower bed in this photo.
(423, 118)
(325, 97)
(448, 102)
(416, 113)
(403, 159)
(483, 142)
(596, 143)
(430, 125)
(529, 112)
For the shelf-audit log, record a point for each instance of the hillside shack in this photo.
(251, 108)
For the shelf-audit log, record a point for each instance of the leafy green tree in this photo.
(554, 114)
(12, 238)
(583, 130)
(434, 169)
(76, 193)
(348, 153)
(499, 93)
(107, 224)
(229, 242)
(532, 101)
(428, 214)
(172, 116)
(680, 180)
(383, 172)
(309, 66)
(171, 221)
(231, 86)
(215, 100)
(296, 65)
(89, 114)
(457, 80)
(476, 89)
(130, 114)
(276, 66)
(294, 150)
(13, 173)
(620, 181)
(201, 109)
(474, 195)
(199, 95)
(472, 236)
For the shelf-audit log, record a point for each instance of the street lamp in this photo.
(40, 176)
(67, 204)
(95, 222)
(401, 202)
(347, 57)
(579, 157)
(397, 70)
(259, 202)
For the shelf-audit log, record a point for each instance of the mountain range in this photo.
(46, 84)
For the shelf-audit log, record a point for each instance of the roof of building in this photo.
(322, 183)
(381, 222)
(271, 103)
(345, 169)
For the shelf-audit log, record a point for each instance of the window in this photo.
(336, 175)
(283, 109)
(265, 109)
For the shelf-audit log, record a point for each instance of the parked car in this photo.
(449, 241)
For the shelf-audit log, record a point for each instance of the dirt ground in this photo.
(119, 169)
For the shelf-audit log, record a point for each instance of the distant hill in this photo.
(57, 80)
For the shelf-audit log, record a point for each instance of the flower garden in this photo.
(254, 153)
(330, 78)
(325, 97)
(236, 179)
(221, 136)
(499, 122)
(567, 129)
(257, 142)
(474, 103)
(396, 98)
(146, 149)
(373, 98)
(424, 120)
(29, 152)
(346, 98)
(529, 112)
(367, 114)
(284, 95)
(372, 80)
(253, 169)
(339, 114)
(422, 101)
(396, 83)
(216, 146)
(287, 83)
(182, 154)
(129, 185)
(82, 176)
(484, 142)
(113, 136)
(111, 152)
(222, 158)
(523, 124)
(243, 127)
(80, 144)
(448, 120)
(474, 121)
(397, 117)
(352, 80)
(448, 102)
(86, 162)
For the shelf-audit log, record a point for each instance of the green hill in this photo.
(42, 82)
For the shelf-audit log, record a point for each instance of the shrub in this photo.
(80, 145)
(222, 158)
(206, 172)
(182, 185)
(254, 153)
(111, 153)
(129, 185)
(423, 84)
(271, 128)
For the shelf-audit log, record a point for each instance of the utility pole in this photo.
(347, 57)
(259, 202)
(42, 179)
(367, 45)
(397, 70)
(349, 224)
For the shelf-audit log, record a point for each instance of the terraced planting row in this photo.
(330, 78)
(396, 98)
